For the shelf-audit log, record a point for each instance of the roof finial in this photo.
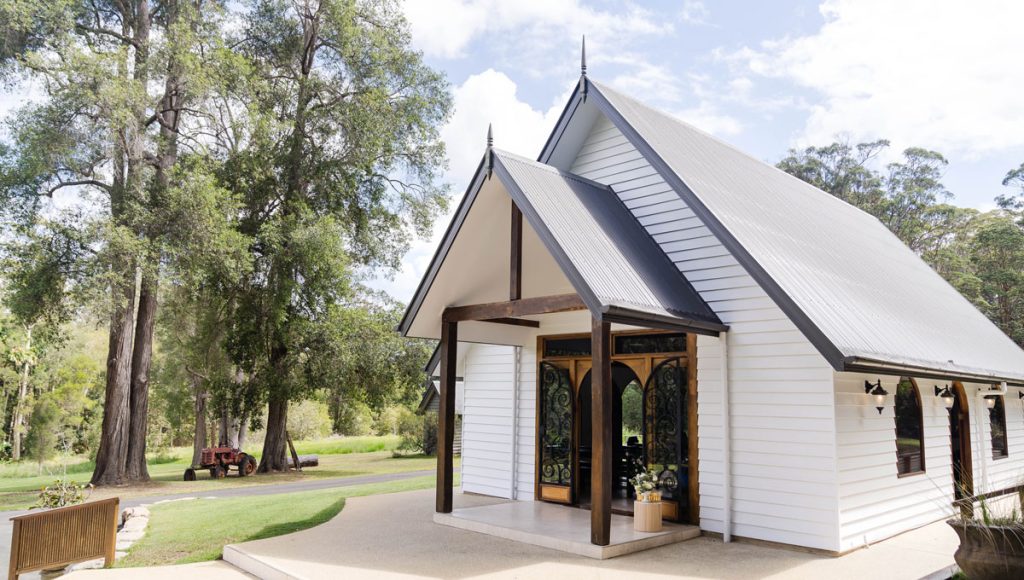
(583, 57)
(490, 150)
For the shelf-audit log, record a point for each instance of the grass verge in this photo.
(197, 530)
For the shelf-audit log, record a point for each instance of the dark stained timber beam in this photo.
(514, 308)
(446, 416)
(601, 433)
(514, 322)
(515, 274)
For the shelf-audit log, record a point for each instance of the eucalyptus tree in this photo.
(338, 171)
(119, 83)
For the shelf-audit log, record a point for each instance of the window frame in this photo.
(1001, 405)
(896, 423)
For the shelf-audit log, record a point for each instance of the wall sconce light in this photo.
(946, 395)
(1020, 394)
(990, 402)
(876, 391)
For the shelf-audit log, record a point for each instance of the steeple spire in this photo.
(583, 57)
(490, 135)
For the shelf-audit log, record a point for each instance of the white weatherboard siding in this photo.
(784, 473)
(487, 420)
(527, 430)
(1001, 473)
(874, 502)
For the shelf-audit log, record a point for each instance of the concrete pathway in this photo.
(393, 536)
(6, 527)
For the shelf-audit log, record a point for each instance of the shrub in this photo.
(388, 420)
(308, 419)
(354, 418)
(43, 430)
(418, 432)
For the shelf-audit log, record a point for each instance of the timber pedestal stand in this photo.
(647, 516)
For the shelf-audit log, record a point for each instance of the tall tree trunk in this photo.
(110, 458)
(18, 421)
(199, 437)
(142, 357)
(243, 430)
(275, 445)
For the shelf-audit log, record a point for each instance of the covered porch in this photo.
(532, 249)
(561, 528)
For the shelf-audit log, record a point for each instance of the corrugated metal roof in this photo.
(851, 285)
(610, 259)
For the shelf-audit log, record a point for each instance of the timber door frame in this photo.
(964, 431)
(642, 364)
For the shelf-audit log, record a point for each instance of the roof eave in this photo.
(866, 364)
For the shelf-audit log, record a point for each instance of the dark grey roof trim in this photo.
(863, 365)
(563, 261)
(832, 354)
(648, 320)
(563, 122)
(442, 250)
(435, 359)
(597, 308)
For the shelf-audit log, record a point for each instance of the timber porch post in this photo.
(601, 434)
(446, 415)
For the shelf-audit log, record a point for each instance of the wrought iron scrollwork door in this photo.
(556, 433)
(665, 423)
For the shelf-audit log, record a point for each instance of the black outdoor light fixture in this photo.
(876, 391)
(946, 395)
(990, 401)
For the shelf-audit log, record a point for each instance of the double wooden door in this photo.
(658, 391)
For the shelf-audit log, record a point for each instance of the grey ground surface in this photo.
(252, 490)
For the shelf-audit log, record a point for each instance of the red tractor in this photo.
(219, 459)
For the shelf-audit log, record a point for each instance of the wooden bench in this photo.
(55, 538)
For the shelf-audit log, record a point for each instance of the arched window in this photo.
(909, 429)
(997, 424)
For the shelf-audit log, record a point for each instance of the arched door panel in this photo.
(555, 434)
(665, 424)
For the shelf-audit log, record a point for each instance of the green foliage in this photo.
(41, 443)
(353, 417)
(418, 432)
(386, 421)
(633, 409)
(309, 420)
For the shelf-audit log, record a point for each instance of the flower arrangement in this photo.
(645, 482)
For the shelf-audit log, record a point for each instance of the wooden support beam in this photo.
(446, 416)
(601, 433)
(514, 308)
(514, 322)
(515, 275)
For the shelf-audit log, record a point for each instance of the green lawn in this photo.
(339, 457)
(197, 530)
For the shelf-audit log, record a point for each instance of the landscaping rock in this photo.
(135, 524)
(130, 536)
(119, 555)
(134, 512)
(87, 565)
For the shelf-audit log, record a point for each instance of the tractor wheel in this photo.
(246, 465)
(190, 474)
(217, 472)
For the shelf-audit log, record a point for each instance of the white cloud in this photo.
(487, 97)
(445, 28)
(694, 12)
(942, 75)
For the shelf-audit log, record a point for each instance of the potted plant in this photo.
(647, 507)
(990, 546)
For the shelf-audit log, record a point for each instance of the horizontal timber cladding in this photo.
(784, 480)
(487, 420)
(874, 501)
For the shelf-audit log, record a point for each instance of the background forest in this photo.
(191, 212)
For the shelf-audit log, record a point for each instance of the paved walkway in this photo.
(393, 536)
(251, 490)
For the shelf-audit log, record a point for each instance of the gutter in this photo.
(860, 364)
(723, 341)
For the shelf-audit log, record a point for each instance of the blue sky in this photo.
(764, 76)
